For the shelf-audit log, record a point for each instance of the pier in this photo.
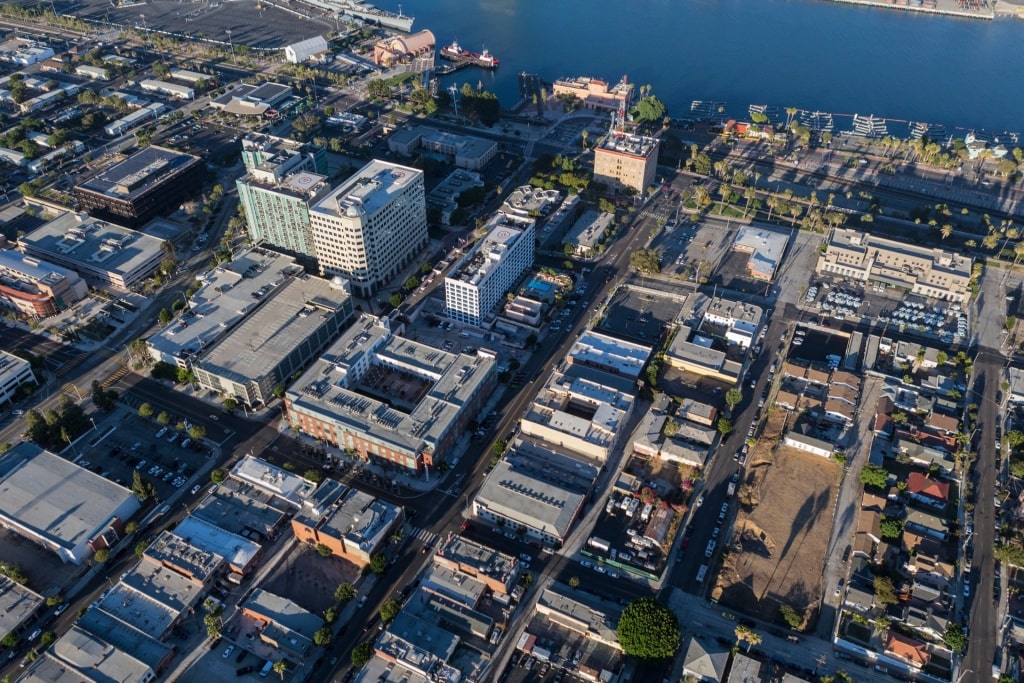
(970, 9)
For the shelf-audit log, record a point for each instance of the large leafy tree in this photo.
(649, 108)
(875, 476)
(648, 630)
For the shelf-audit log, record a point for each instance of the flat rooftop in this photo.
(380, 670)
(368, 190)
(48, 669)
(290, 488)
(527, 199)
(172, 550)
(54, 498)
(606, 352)
(138, 173)
(264, 338)
(284, 613)
(490, 253)
(630, 145)
(482, 559)
(98, 659)
(848, 238)
(17, 602)
(765, 246)
(17, 264)
(237, 506)
(327, 388)
(520, 489)
(589, 228)
(596, 616)
(456, 585)
(229, 293)
(10, 366)
(414, 644)
(237, 551)
(124, 637)
(362, 519)
(95, 243)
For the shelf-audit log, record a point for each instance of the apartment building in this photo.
(479, 281)
(625, 160)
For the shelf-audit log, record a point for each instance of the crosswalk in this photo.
(114, 378)
(428, 537)
(70, 364)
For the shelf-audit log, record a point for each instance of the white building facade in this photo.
(483, 276)
(371, 226)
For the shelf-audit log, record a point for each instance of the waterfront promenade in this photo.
(953, 8)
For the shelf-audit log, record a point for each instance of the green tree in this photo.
(131, 527)
(389, 609)
(574, 582)
(747, 634)
(197, 432)
(10, 640)
(101, 555)
(279, 391)
(648, 630)
(322, 637)
(378, 563)
(891, 528)
(331, 614)
(955, 637)
(324, 550)
(649, 109)
(46, 640)
(313, 475)
(164, 316)
(230, 404)
(733, 397)
(885, 592)
(142, 488)
(724, 426)
(146, 410)
(54, 599)
(344, 592)
(217, 476)
(140, 548)
(645, 261)
(163, 418)
(791, 616)
(395, 300)
(875, 476)
(361, 654)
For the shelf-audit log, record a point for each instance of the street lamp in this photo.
(228, 31)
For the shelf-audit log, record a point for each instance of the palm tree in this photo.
(583, 135)
(790, 113)
(772, 203)
(748, 635)
(946, 230)
(795, 210)
(280, 667)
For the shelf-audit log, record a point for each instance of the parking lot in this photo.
(127, 443)
(638, 315)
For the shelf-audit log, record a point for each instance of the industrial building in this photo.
(252, 100)
(14, 372)
(353, 524)
(371, 226)
(105, 255)
(297, 320)
(65, 508)
(36, 288)
(283, 179)
(304, 50)
(149, 183)
(390, 399)
(178, 92)
(608, 354)
(928, 272)
(480, 280)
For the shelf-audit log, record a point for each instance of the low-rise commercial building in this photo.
(609, 355)
(14, 372)
(82, 657)
(355, 527)
(390, 399)
(595, 93)
(593, 618)
(498, 571)
(588, 230)
(741, 320)
(304, 50)
(284, 624)
(175, 90)
(464, 151)
(419, 649)
(65, 508)
(535, 490)
(240, 554)
(416, 48)
(252, 100)
(444, 198)
(152, 598)
(929, 272)
(18, 605)
(151, 182)
(288, 488)
(105, 255)
(480, 280)
(150, 112)
(765, 247)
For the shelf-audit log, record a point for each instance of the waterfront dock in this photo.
(969, 9)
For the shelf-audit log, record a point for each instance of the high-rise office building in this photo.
(371, 226)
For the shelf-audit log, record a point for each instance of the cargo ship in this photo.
(455, 53)
(369, 13)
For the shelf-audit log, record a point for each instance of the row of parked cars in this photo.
(173, 437)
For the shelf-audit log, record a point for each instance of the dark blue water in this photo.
(810, 54)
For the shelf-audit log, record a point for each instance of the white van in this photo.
(701, 573)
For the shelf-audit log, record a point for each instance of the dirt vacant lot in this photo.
(778, 544)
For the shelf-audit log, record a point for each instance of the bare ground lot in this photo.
(778, 546)
(308, 579)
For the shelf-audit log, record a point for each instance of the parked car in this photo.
(228, 651)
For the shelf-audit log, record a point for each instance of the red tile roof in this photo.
(922, 485)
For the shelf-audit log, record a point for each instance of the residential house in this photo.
(927, 524)
(816, 375)
(946, 424)
(924, 455)
(799, 439)
(705, 660)
(929, 563)
(906, 649)
(923, 489)
(859, 597)
(839, 411)
(786, 399)
(696, 411)
(845, 379)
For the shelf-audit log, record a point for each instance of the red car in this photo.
(686, 541)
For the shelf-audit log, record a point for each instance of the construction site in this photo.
(776, 552)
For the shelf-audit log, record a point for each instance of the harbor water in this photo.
(811, 54)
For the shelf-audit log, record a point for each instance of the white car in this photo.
(195, 489)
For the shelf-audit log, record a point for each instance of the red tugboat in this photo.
(455, 53)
